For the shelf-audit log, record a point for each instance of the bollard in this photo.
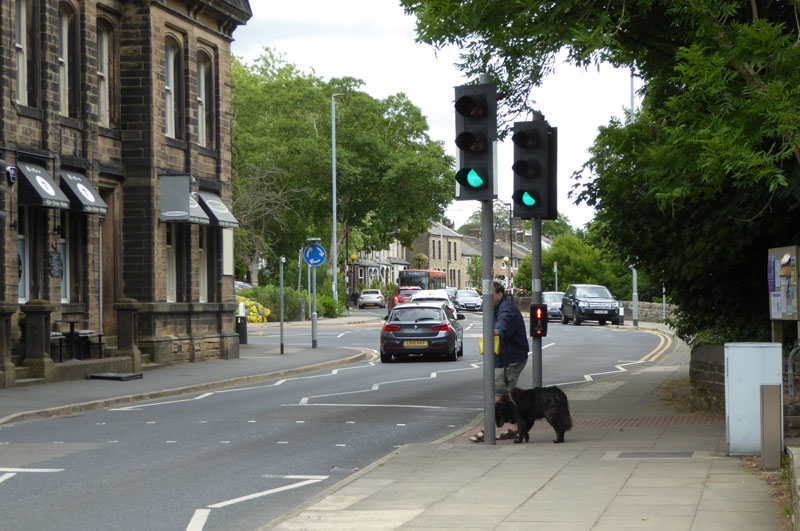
(241, 328)
(771, 427)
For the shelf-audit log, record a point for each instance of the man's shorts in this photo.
(510, 374)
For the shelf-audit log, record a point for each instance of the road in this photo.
(241, 457)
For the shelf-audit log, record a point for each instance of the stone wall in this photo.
(707, 377)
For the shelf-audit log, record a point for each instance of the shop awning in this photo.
(83, 195)
(177, 203)
(217, 210)
(38, 189)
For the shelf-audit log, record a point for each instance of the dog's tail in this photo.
(562, 408)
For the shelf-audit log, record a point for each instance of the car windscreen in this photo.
(468, 294)
(552, 298)
(407, 291)
(595, 291)
(417, 314)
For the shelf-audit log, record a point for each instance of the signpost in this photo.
(314, 254)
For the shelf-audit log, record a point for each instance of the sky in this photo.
(373, 40)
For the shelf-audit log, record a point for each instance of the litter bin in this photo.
(241, 328)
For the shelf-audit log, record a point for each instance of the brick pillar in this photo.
(7, 370)
(128, 331)
(37, 339)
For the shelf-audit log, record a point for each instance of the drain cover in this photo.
(655, 455)
(122, 377)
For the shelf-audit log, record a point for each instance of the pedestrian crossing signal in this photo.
(538, 320)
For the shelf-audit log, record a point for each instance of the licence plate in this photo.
(601, 311)
(415, 343)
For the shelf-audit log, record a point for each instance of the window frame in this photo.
(206, 101)
(173, 88)
(24, 254)
(68, 61)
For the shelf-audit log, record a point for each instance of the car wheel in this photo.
(461, 350)
(386, 358)
(564, 319)
(577, 321)
(360, 307)
(452, 355)
(602, 323)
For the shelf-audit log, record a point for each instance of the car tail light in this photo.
(391, 328)
(396, 299)
(441, 327)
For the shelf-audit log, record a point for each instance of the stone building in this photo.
(116, 130)
(442, 246)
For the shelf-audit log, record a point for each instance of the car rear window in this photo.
(417, 314)
(370, 292)
(408, 291)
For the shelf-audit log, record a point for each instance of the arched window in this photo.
(26, 50)
(205, 101)
(107, 78)
(68, 57)
(173, 89)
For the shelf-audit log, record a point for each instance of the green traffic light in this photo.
(528, 199)
(474, 180)
(470, 178)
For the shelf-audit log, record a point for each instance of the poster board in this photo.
(784, 301)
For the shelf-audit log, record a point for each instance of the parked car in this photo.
(240, 286)
(589, 302)
(434, 295)
(553, 301)
(467, 299)
(418, 328)
(371, 297)
(402, 294)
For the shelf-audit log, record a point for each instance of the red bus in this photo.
(424, 278)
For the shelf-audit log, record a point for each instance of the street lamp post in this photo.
(333, 195)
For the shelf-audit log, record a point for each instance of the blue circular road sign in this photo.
(314, 254)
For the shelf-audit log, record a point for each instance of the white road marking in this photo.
(341, 445)
(411, 406)
(334, 372)
(6, 476)
(251, 421)
(312, 480)
(198, 520)
(36, 470)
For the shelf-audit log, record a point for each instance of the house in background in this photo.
(116, 121)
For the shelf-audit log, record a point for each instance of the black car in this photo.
(553, 301)
(422, 328)
(590, 302)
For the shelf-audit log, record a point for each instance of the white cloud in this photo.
(373, 40)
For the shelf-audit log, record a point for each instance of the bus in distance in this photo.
(424, 278)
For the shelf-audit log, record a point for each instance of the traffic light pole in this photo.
(487, 254)
(536, 297)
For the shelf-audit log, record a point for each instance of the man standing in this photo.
(510, 326)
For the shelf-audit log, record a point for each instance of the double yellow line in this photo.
(664, 343)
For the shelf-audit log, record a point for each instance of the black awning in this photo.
(177, 203)
(38, 188)
(217, 210)
(83, 195)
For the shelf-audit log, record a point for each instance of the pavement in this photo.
(629, 462)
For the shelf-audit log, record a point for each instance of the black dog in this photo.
(525, 406)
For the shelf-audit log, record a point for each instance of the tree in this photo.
(282, 163)
(697, 185)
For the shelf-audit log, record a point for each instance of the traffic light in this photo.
(476, 131)
(535, 151)
(538, 320)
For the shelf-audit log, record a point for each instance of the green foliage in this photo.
(281, 146)
(326, 306)
(698, 185)
(270, 297)
(420, 261)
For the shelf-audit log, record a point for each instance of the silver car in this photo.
(467, 299)
(371, 297)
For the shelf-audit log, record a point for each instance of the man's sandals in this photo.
(505, 436)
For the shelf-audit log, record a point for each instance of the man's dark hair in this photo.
(498, 288)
